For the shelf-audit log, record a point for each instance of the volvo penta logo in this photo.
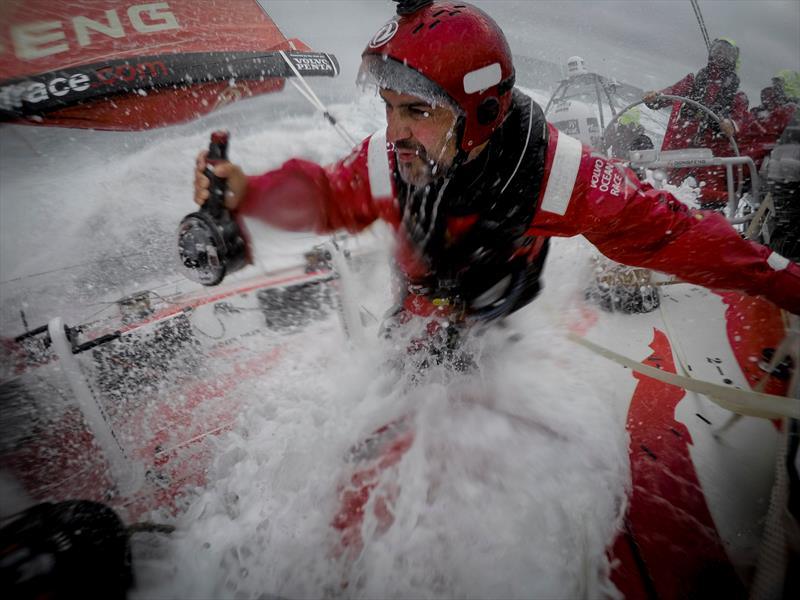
(384, 34)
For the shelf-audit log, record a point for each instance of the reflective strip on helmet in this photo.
(563, 172)
(380, 179)
(483, 78)
(777, 262)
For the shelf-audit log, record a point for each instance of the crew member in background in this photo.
(771, 139)
(791, 84)
(716, 86)
(767, 121)
(474, 182)
(628, 134)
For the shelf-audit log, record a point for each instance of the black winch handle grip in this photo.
(217, 186)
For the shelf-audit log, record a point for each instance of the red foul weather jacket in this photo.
(684, 126)
(690, 128)
(577, 192)
(762, 130)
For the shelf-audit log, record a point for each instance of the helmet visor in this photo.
(387, 73)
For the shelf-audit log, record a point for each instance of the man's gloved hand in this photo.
(727, 127)
(651, 100)
(649, 96)
(237, 181)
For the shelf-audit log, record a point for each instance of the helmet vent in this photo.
(438, 12)
(434, 24)
(418, 27)
(455, 12)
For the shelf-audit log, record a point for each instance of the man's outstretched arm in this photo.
(634, 224)
(300, 195)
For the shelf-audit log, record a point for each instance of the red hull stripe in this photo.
(678, 553)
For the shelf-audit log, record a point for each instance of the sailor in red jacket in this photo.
(474, 182)
(767, 122)
(715, 86)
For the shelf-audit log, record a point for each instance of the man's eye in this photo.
(420, 113)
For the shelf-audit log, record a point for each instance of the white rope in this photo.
(745, 402)
(303, 93)
(305, 90)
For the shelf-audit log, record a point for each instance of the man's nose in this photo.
(396, 128)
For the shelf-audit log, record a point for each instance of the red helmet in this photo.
(449, 53)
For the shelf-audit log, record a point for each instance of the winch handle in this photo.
(210, 243)
(217, 186)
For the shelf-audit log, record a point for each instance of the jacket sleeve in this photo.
(304, 196)
(681, 88)
(632, 223)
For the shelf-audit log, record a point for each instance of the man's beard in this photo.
(421, 171)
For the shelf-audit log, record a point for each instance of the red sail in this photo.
(106, 64)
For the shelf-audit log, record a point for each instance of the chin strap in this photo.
(461, 154)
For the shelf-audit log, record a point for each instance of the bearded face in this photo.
(423, 137)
